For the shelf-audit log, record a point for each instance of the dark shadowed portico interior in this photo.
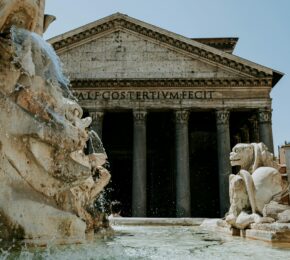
(160, 165)
(161, 162)
(203, 165)
(118, 141)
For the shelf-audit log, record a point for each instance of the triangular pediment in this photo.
(129, 48)
(121, 54)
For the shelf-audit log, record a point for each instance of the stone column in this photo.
(139, 194)
(224, 167)
(97, 122)
(183, 197)
(265, 128)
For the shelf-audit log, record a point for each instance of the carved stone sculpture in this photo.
(47, 182)
(257, 184)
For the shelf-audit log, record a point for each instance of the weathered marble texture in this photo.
(257, 184)
(46, 181)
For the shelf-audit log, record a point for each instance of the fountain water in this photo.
(156, 242)
(47, 184)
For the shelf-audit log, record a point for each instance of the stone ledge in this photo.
(273, 233)
(157, 221)
(215, 225)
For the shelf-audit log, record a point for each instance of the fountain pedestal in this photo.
(47, 183)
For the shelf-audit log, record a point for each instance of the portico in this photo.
(236, 123)
(180, 105)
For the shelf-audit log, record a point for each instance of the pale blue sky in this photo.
(263, 28)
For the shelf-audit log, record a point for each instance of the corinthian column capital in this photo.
(222, 117)
(96, 115)
(265, 116)
(181, 116)
(139, 115)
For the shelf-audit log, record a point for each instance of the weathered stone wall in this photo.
(122, 54)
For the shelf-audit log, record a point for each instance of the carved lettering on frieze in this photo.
(144, 95)
(222, 117)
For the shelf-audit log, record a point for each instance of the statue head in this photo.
(251, 156)
(242, 155)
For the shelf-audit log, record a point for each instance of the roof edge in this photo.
(226, 44)
(192, 46)
(277, 75)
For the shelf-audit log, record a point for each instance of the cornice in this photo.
(169, 83)
(224, 44)
(121, 22)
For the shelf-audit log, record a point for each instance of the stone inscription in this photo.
(143, 95)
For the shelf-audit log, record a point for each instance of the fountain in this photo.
(47, 182)
(259, 197)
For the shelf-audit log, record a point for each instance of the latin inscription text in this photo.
(143, 95)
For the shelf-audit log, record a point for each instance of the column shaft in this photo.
(265, 128)
(183, 196)
(139, 194)
(224, 167)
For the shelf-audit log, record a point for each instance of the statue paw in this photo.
(231, 219)
(245, 219)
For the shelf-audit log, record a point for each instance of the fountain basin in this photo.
(176, 239)
(268, 232)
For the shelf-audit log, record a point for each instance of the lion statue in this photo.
(47, 183)
(256, 185)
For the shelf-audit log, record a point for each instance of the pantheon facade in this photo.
(168, 109)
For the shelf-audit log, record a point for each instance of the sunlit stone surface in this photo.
(47, 183)
(257, 184)
(257, 195)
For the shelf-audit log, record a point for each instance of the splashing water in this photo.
(36, 56)
(95, 142)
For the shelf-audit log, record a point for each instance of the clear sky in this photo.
(263, 28)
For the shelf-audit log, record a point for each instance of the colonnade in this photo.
(183, 189)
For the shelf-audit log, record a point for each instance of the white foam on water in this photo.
(41, 54)
(156, 242)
